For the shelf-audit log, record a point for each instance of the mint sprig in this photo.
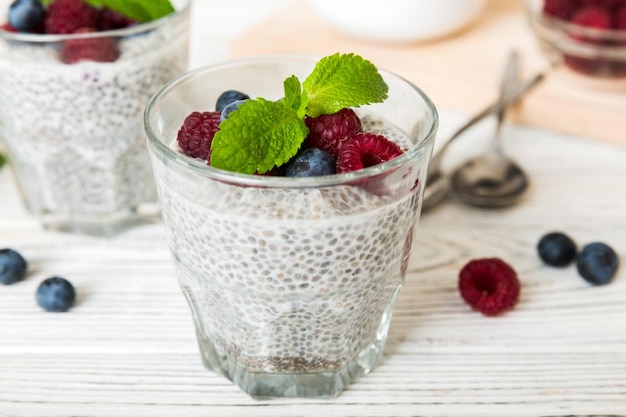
(2, 160)
(271, 140)
(139, 10)
(263, 134)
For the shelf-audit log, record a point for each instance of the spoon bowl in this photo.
(493, 179)
(489, 181)
(492, 176)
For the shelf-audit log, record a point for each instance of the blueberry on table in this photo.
(597, 263)
(310, 163)
(228, 97)
(556, 249)
(55, 294)
(26, 15)
(12, 266)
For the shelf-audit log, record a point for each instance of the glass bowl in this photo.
(595, 56)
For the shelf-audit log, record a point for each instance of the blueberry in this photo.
(56, 294)
(228, 97)
(12, 266)
(597, 263)
(310, 163)
(26, 15)
(556, 249)
(231, 107)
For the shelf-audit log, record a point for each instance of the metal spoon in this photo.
(493, 179)
(437, 184)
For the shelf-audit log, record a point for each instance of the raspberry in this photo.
(8, 28)
(365, 150)
(100, 49)
(489, 285)
(620, 19)
(110, 19)
(561, 9)
(67, 16)
(328, 132)
(593, 17)
(197, 132)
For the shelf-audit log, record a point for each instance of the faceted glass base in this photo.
(108, 224)
(264, 385)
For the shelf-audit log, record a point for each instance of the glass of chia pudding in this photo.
(291, 281)
(71, 107)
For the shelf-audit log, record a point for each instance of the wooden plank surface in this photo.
(128, 347)
(459, 72)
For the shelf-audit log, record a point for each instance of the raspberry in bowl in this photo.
(587, 38)
(291, 267)
(74, 81)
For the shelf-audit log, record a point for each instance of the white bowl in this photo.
(398, 20)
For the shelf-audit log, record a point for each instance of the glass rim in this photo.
(114, 33)
(204, 169)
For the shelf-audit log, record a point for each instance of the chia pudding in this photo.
(291, 281)
(74, 133)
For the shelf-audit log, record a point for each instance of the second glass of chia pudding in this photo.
(291, 280)
(73, 88)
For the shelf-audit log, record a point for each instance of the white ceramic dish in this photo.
(398, 20)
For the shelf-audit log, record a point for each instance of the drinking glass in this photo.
(73, 130)
(291, 281)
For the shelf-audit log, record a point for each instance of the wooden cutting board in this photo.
(461, 71)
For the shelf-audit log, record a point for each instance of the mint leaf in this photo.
(343, 80)
(295, 98)
(258, 136)
(2, 160)
(139, 10)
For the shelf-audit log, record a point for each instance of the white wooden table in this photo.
(128, 348)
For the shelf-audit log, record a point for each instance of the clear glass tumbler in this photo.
(291, 281)
(73, 131)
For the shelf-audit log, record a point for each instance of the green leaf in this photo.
(343, 80)
(258, 136)
(2, 160)
(295, 98)
(139, 10)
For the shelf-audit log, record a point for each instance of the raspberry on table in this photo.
(597, 263)
(489, 285)
(99, 49)
(365, 150)
(197, 132)
(68, 16)
(556, 249)
(329, 132)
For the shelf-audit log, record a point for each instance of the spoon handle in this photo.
(517, 93)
